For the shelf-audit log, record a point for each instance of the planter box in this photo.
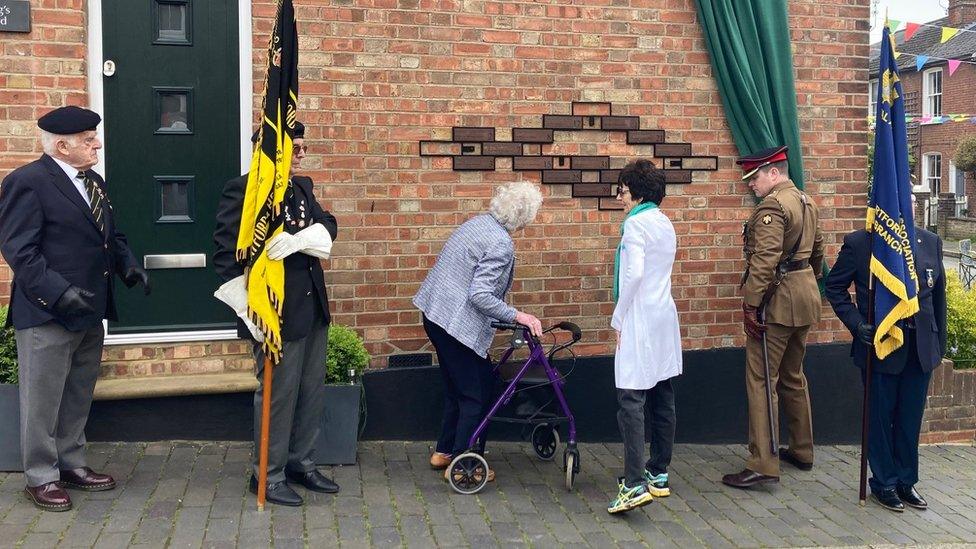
(10, 459)
(339, 431)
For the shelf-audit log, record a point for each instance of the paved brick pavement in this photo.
(193, 494)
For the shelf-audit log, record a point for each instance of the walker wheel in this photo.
(572, 467)
(545, 439)
(468, 473)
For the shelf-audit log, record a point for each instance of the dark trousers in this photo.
(896, 405)
(659, 404)
(468, 387)
(297, 403)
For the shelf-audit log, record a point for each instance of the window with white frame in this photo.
(932, 92)
(958, 180)
(931, 173)
(872, 97)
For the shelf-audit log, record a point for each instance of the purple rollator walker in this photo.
(469, 470)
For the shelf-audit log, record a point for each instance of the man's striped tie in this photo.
(95, 198)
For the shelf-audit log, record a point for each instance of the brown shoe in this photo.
(747, 478)
(85, 479)
(439, 460)
(787, 455)
(49, 497)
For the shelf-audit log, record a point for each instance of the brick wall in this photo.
(378, 77)
(950, 414)
(958, 228)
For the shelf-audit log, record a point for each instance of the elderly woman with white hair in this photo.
(460, 298)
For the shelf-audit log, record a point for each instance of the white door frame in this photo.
(96, 100)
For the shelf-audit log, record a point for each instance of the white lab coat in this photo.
(645, 315)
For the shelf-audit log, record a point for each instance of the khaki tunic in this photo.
(771, 232)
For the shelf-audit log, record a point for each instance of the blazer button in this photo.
(105, 273)
(105, 246)
(308, 293)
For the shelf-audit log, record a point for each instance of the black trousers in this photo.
(896, 406)
(658, 403)
(468, 386)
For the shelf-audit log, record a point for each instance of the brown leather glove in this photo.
(750, 322)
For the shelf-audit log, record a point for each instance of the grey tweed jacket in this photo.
(465, 290)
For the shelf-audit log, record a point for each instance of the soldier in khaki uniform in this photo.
(781, 301)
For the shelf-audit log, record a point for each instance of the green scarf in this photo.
(616, 261)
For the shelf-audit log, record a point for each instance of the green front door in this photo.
(172, 132)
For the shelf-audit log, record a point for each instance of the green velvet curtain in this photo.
(752, 58)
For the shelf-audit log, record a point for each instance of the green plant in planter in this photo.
(346, 352)
(8, 351)
(961, 322)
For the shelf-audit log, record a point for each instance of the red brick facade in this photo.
(378, 77)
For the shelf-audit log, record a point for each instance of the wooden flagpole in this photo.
(865, 405)
(265, 434)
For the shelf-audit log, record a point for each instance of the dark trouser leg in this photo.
(286, 376)
(471, 376)
(311, 400)
(630, 419)
(77, 398)
(660, 405)
(445, 443)
(882, 402)
(912, 391)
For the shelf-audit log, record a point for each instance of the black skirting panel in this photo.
(405, 404)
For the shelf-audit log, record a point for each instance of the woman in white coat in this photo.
(648, 339)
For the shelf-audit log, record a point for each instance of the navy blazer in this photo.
(930, 321)
(49, 238)
(304, 277)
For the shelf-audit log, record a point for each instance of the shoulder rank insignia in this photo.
(767, 219)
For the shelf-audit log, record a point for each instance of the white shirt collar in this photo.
(72, 174)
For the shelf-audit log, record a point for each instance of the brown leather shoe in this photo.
(49, 497)
(747, 478)
(85, 479)
(440, 460)
(787, 455)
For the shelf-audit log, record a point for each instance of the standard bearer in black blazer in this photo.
(298, 384)
(899, 383)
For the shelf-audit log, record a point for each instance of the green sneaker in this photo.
(657, 485)
(629, 498)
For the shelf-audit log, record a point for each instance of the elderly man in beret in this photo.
(58, 234)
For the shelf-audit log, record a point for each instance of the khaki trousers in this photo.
(786, 345)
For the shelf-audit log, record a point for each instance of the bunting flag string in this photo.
(921, 60)
(945, 118)
(911, 28)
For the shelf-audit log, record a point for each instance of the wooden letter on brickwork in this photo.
(475, 149)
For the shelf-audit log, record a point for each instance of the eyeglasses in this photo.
(299, 149)
(621, 190)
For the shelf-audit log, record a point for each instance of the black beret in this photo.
(299, 132)
(69, 120)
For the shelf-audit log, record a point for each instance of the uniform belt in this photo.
(797, 265)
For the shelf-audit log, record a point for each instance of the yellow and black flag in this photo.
(261, 216)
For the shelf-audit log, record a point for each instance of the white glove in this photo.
(313, 240)
(234, 295)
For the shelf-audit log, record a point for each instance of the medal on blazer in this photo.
(929, 277)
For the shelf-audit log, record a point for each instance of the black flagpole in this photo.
(865, 406)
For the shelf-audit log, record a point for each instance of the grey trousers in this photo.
(58, 369)
(659, 401)
(297, 404)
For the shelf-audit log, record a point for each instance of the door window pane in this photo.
(173, 110)
(173, 22)
(174, 199)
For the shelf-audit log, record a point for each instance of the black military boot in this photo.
(910, 496)
(889, 500)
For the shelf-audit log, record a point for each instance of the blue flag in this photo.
(890, 219)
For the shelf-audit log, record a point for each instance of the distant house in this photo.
(931, 91)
